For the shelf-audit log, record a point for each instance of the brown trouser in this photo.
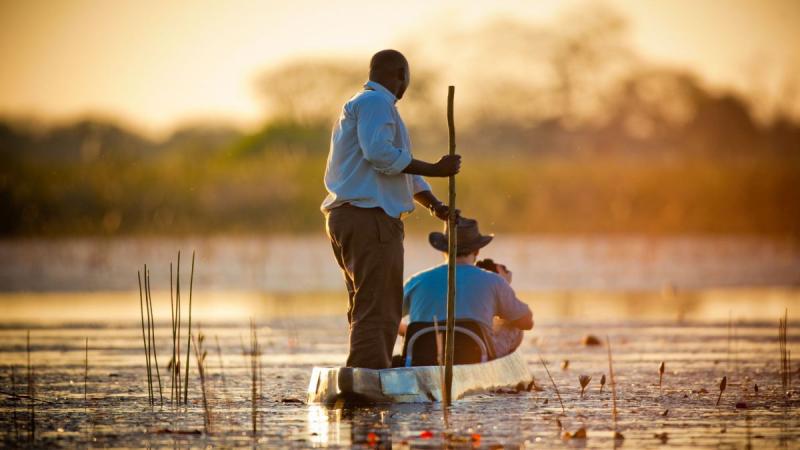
(368, 245)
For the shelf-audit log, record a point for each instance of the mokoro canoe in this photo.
(414, 384)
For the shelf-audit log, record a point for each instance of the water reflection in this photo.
(325, 427)
(374, 426)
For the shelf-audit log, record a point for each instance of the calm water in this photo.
(707, 307)
(697, 354)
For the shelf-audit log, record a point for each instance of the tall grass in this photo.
(221, 369)
(14, 400)
(145, 342)
(172, 362)
(31, 391)
(188, 339)
(200, 357)
(86, 375)
(785, 367)
(613, 382)
(255, 374)
(151, 324)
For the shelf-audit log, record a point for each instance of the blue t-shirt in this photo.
(480, 295)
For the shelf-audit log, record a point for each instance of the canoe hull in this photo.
(329, 385)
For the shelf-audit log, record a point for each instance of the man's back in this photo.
(369, 149)
(480, 295)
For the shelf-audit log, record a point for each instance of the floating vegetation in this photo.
(722, 385)
(590, 340)
(584, 381)
(580, 433)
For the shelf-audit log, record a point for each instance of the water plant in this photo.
(722, 385)
(145, 341)
(563, 410)
(200, 357)
(172, 362)
(602, 382)
(660, 375)
(255, 363)
(221, 368)
(176, 344)
(785, 367)
(31, 391)
(584, 381)
(617, 434)
(188, 339)
(14, 400)
(152, 330)
(86, 374)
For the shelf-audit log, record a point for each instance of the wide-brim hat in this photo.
(468, 237)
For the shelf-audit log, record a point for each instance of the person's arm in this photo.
(509, 306)
(446, 166)
(433, 204)
(376, 130)
(523, 323)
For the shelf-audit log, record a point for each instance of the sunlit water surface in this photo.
(701, 337)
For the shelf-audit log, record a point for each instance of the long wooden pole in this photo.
(452, 245)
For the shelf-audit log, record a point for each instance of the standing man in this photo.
(372, 181)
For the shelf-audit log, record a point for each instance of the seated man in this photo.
(481, 295)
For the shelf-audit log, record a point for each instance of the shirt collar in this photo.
(377, 87)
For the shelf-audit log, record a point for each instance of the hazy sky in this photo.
(157, 63)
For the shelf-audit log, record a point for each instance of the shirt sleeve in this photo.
(376, 130)
(509, 307)
(420, 184)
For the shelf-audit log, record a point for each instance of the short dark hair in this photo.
(385, 61)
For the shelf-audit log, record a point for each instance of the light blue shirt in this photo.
(370, 147)
(480, 295)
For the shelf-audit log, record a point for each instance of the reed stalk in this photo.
(86, 375)
(172, 321)
(200, 358)
(145, 340)
(188, 340)
(31, 391)
(221, 369)
(14, 400)
(613, 383)
(152, 321)
(179, 382)
(785, 367)
(254, 353)
(558, 393)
